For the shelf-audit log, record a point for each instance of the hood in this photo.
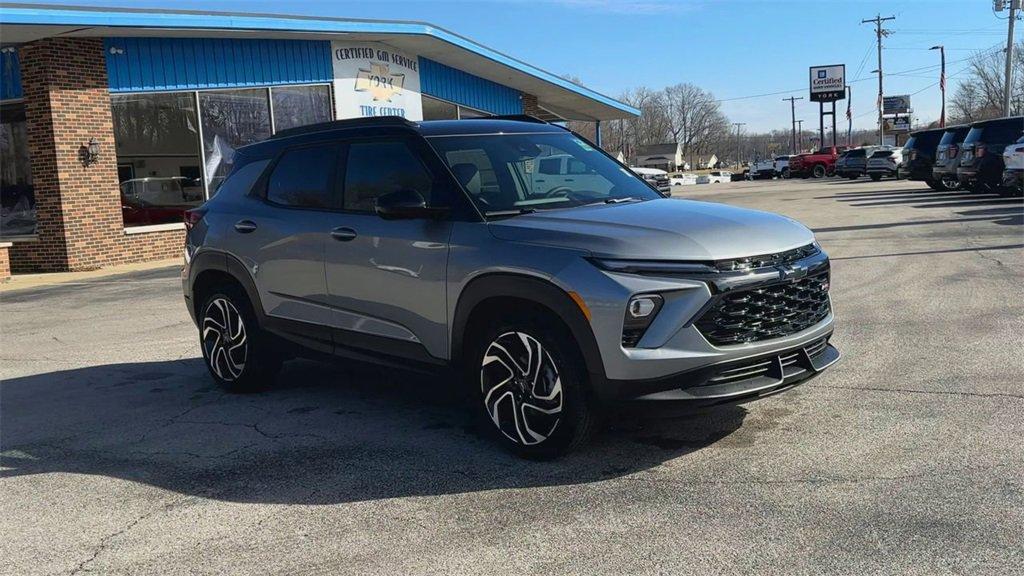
(661, 229)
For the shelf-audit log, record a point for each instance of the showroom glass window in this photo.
(158, 158)
(435, 109)
(17, 199)
(300, 105)
(230, 119)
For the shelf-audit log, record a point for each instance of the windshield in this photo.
(517, 173)
(910, 143)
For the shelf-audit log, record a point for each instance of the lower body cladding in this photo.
(729, 338)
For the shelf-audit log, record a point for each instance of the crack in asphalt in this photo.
(102, 545)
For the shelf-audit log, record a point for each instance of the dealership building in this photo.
(115, 121)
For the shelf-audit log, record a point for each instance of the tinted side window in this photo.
(378, 168)
(241, 180)
(303, 176)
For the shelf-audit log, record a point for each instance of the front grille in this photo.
(767, 312)
(765, 260)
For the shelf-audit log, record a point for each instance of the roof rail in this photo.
(373, 121)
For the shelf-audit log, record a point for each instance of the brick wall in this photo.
(78, 207)
(530, 106)
(5, 263)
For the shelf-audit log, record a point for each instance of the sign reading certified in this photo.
(828, 83)
(375, 80)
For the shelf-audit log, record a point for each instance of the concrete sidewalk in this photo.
(29, 281)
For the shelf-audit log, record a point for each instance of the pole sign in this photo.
(897, 124)
(828, 83)
(896, 104)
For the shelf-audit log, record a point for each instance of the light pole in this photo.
(942, 83)
(737, 125)
(800, 136)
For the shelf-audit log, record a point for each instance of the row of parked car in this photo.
(986, 156)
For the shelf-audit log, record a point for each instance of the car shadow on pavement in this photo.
(324, 434)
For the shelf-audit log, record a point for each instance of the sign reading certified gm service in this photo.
(828, 83)
(375, 80)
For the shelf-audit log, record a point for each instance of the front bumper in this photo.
(731, 381)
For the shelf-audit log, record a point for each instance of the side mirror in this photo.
(406, 204)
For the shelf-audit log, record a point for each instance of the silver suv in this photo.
(554, 293)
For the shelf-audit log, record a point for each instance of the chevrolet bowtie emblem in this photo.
(380, 82)
(792, 272)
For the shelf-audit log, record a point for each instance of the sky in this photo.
(734, 48)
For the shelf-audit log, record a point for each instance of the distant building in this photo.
(707, 161)
(667, 157)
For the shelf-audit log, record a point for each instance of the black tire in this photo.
(819, 171)
(507, 400)
(238, 354)
(785, 174)
(935, 185)
(875, 177)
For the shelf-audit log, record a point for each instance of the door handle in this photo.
(343, 234)
(245, 226)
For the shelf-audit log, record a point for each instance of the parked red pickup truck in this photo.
(818, 164)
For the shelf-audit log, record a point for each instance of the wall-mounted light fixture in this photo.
(89, 153)
(115, 50)
(8, 50)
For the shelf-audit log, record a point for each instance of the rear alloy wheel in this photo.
(819, 171)
(950, 182)
(224, 340)
(239, 355)
(533, 388)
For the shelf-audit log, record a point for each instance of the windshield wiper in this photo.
(508, 213)
(620, 200)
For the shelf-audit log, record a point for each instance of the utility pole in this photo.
(792, 108)
(879, 33)
(1008, 79)
(942, 83)
(800, 131)
(737, 125)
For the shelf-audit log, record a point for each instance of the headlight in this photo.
(640, 313)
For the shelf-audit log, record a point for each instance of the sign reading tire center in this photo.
(828, 83)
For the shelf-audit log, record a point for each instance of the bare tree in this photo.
(979, 95)
(695, 119)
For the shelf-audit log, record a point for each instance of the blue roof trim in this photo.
(454, 85)
(10, 75)
(12, 14)
(155, 64)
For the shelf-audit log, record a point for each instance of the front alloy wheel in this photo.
(521, 387)
(224, 339)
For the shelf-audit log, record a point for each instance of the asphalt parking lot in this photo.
(119, 455)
